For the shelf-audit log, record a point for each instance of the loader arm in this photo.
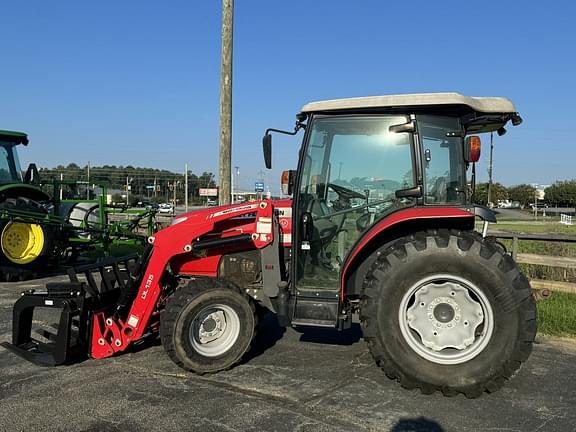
(116, 320)
(111, 335)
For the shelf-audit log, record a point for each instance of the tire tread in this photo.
(466, 242)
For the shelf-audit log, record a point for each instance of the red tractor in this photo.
(379, 228)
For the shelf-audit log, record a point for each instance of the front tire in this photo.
(447, 311)
(207, 326)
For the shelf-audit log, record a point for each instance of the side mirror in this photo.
(287, 182)
(472, 148)
(32, 175)
(267, 147)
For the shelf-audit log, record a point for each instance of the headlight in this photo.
(178, 220)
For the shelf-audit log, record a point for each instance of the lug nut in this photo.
(117, 342)
(101, 342)
(109, 322)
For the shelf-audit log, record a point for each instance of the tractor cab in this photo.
(366, 160)
(10, 170)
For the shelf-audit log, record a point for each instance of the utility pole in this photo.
(174, 206)
(186, 188)
(88, 183)
(237, 172)
(226, 103)
(490, 168)
(259, 195)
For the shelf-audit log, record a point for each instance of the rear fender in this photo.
(16, 190)
(396, 225)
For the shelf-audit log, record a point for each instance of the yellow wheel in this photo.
(22, 243)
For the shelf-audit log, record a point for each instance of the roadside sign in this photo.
(208, 192)
(259, 187)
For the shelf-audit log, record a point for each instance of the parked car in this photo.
(165, 208)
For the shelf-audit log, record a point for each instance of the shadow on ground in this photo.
(331, 336)
(420, 424)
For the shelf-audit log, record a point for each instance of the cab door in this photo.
(350, 169)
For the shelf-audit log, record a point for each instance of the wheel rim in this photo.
(22, 243)
(214, 330)
(446, 319)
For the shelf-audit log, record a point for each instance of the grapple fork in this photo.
(107, 286)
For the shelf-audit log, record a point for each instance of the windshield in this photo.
(10, 171)
(359, 154)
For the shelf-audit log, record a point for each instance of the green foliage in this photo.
(561, 193)
(498, 192)
(523, 193)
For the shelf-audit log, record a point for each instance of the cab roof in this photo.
(13, 137)
(478, 104)
(478, 114)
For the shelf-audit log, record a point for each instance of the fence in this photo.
(542, 260)
(566, 219)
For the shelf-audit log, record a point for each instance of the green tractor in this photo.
(39, 231)
(24, 246)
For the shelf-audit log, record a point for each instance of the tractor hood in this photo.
(212, 212)
(282, 205)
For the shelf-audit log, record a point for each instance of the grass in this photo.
(557, 315)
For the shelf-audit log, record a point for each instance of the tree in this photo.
(561, 193)
(499, 192)
(207, 180)
(523, 193)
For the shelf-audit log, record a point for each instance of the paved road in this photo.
(513, 214)
(292, 381)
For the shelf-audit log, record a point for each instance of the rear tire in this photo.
(447, 311)
(207, 326)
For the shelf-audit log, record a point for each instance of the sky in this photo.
(137, 82)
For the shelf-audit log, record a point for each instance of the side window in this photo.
(442, 158)
(375, 166)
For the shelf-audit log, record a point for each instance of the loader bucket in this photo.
(104, 286)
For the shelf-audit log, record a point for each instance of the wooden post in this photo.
(226, 103)
(514, 248)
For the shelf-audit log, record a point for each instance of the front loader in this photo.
(378, 227)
